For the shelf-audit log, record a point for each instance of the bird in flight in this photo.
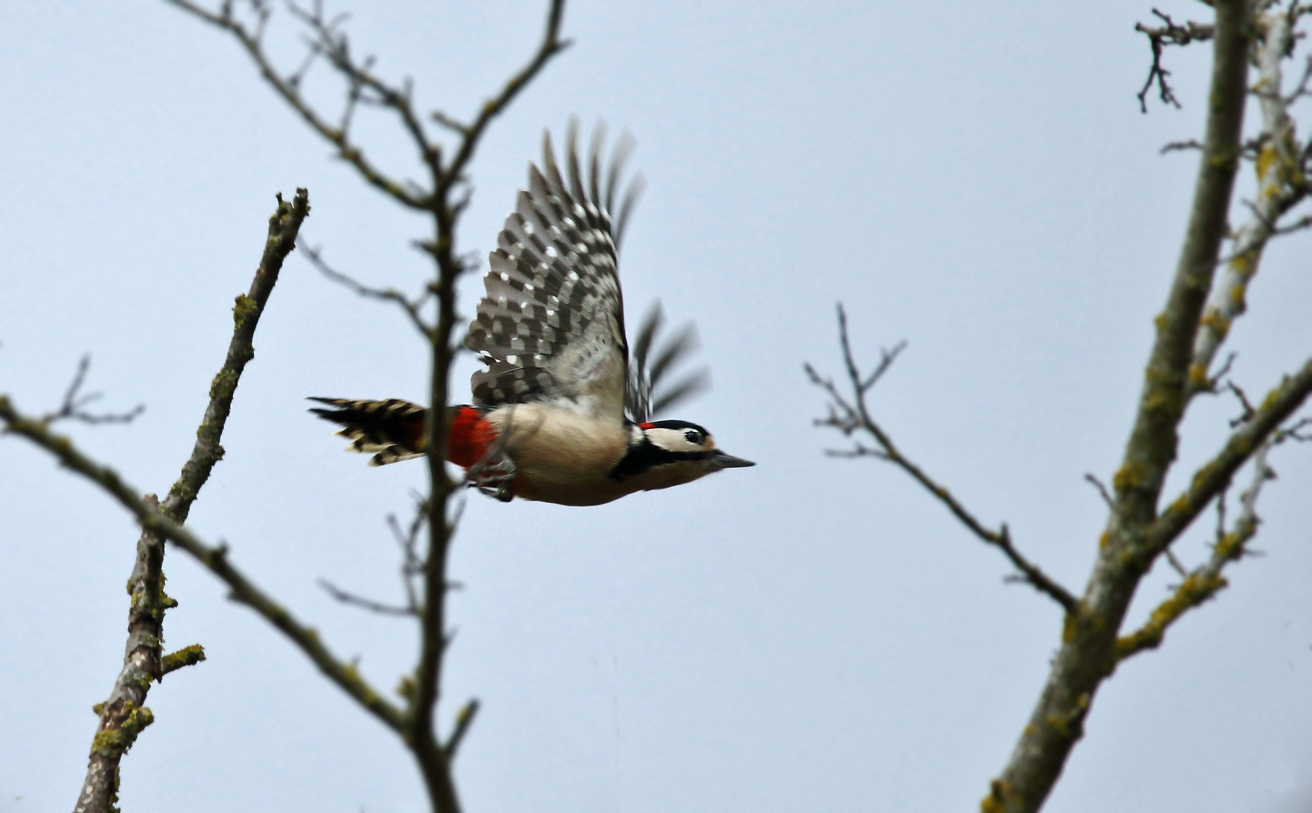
(562, 411)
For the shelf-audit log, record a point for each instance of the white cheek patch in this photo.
(674, 440)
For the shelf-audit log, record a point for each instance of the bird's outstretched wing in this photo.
(551, 327)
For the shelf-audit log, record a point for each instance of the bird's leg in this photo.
(493, 475)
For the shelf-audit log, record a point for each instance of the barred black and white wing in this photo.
(551, 327)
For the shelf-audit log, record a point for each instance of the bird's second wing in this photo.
(551, 327)
(649, 390)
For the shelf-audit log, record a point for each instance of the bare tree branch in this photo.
(423, 738)
(124, 715)
(445, 199)
(1206, 581)
(1212, 478)
(1087, 654)
(284, 226)
(551, 45)
(850, 414)
(213, 557)
(288, 87)
(1281, 186)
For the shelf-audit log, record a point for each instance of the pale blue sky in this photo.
(806, 635)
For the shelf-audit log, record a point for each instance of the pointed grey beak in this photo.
(728, 461)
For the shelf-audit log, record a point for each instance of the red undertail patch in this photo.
(470, 437)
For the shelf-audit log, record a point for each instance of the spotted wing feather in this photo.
(551, 326)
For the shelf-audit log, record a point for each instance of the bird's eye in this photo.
(693, 436)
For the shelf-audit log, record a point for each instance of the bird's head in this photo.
(669, 453)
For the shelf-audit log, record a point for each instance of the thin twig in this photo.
(1102, 489)
(1175, 562)
(289, 90)
(363, 603)
(551, 44)
(1247, 414)
(412, 565)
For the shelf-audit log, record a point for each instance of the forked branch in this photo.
(1207, 580)
(1170, 33)
(850, 414)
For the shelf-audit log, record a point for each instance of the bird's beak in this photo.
(728, 461)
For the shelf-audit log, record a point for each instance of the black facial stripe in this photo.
(647, 455)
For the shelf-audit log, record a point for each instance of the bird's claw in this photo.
(493, 476)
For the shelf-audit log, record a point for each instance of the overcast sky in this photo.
(808, 635)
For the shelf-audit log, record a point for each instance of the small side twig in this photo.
(1300, 90)
(1248, 410)
(187, 656)
(464, 719)
(363, 603)
(1175, 562)
(72, 406)
(1102, 490)
(412, 564)
(1248, 151)
(413, 307)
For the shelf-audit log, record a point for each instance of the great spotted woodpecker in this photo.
(561, 413)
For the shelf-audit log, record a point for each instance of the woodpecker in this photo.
(561, 413)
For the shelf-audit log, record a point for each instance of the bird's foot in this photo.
(494, 475)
